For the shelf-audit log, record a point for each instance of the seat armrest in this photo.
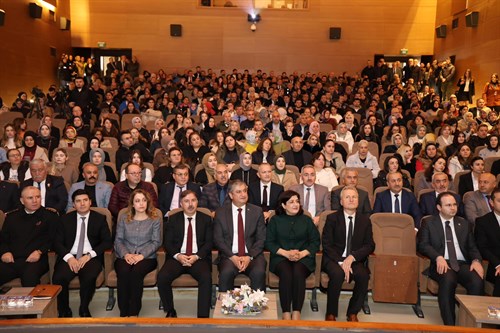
(109, 260)
(52, 256)
(161, 256)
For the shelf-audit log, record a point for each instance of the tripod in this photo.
(36, 108)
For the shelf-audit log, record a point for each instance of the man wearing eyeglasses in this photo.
(449, 243)
(170, 192)
(427, 201)
(122, 190)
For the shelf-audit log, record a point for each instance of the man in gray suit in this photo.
(476, 204)
(350, 178)
(239, 235)
(99, 192)
(314, 198)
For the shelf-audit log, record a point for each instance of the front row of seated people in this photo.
(30, 232)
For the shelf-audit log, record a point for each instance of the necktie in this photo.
(222, 195)
(487, 197)
(81, 239)
(239, 119)
(349, 237)
(264, 198)
(189, 241)
(452, 254)
(241, 235)
(39, 185)
(396, 204)
(179, 197)
(308, 197)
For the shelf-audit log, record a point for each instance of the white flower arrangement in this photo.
(243, 301)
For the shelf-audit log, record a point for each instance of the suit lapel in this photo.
(342, 229)
(229, 222)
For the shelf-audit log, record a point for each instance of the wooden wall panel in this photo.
(284, 40)
(474, 48)
(25, 59)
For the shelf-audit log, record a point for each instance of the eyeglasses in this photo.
(135, 173)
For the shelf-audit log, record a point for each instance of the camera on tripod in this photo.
(37, 92)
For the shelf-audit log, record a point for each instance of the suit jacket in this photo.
(210, 197)
(255, 230)
(273, 192)
(10, 196)
(428, 204)
(475, 206)
(98, 234)
(102, 193)
(431, 240)
(465, 184)
(321, 194)
(334, 238)
(487, 232)
(290, 160)
(167, 193)
(364, 201)
(174, 235)
(409, 205)
(56, 195)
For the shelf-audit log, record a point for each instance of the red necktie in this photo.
(241, 235)
(189, 241)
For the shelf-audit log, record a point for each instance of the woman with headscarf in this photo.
(46, 140)
(209, 130)
(245, 173)
(30, 151)
(106, 173)
(207, 174)
(314, 128)
(161, 155)
(70, 139)
(281, 175)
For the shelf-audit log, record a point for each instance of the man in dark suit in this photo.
(215, 194)
(476, 204)
(314, 198)
(469, 181)
(264, 193)
(349, 177)
(10, 196)
(170, 193)
(449, 243)
(188, 242)
(275, 123)
(344, 256)
(487, 232)
(52, 188)
(239, 235)
(25, 239)
(297, 156)
(82, 237)
(440, 184)
(397, 200)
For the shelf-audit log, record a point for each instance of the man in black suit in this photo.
(170, 193)
(239, 235)
(350, 178)
(188, 243)
(344, 256)
(215, 195)
(10, 196)
(469, 181)
(82, 237)
(83, 97)
(25, 239)
(127, 144)
(487, 232)
(440, 183)
(275, 123)
(397, 200)
(52, 188)
(297, 156)
(264, 193)
(449, 243)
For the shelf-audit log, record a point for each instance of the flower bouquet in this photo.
(243, 301)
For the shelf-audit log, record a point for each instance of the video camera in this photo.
(37, 92)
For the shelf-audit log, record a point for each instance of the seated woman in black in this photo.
(195, 151)
(245, 173)
(264, 153)
(391, 164)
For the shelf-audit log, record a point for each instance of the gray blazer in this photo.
(322, 196)
(102, 193)
(255, 230)
(141, 237)
(475, 206)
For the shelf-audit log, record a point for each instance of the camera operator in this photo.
(56, 100)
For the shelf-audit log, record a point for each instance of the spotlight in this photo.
(254, 18)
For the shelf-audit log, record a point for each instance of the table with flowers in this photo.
(244, 302)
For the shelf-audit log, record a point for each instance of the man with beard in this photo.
(99, 192)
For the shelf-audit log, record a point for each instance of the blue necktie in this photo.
(222, 196)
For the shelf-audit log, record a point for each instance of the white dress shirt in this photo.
(460, 255)
(262, 192)
(235, 226)
(175, 197)
(393, 200)
(184, 240)
(312, 200)
(87, 248)
(346, 218)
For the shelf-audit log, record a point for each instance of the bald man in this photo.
(476, 203)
